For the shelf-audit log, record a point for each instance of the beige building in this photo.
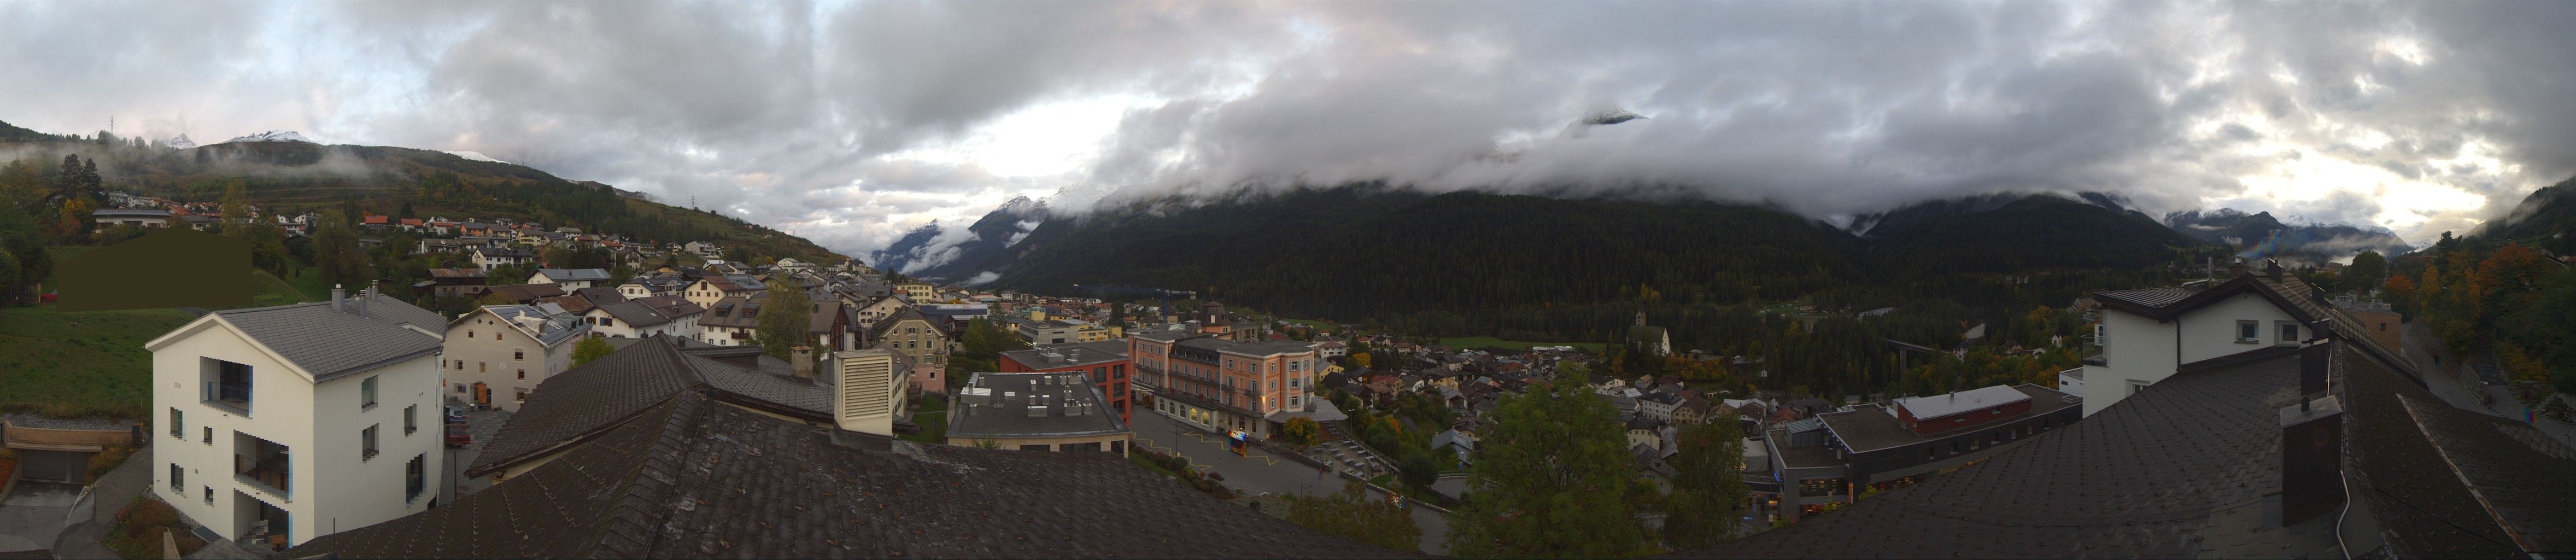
(913, 335)
(917, 291)
(498, 354)
(1035, 412)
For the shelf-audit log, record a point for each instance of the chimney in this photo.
(2236, 268)
(337, 294)
(369, 294)
(2272, 267)
(2312, 438)
(802, 359)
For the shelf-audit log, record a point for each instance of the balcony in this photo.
(229, 397)
(263, 465)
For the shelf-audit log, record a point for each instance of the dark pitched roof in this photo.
(583, 401)
(524, 293)
(689, 478)
(635, 314)
(886, 325)
(328, 342)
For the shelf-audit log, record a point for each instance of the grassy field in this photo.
(1491, 342)
(89, 363)
(932, 415)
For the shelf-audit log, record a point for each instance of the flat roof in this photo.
(1071, 354)
(1871, 427)
(1031, 405)
(1938, 406)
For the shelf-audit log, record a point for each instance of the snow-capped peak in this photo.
(473, 155)
(180, 142)
(273, 136)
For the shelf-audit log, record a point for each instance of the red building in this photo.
(1104, 361)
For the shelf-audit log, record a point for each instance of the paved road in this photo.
(1257, 472)
(2459, 386)
(32, 515)
(483, 424)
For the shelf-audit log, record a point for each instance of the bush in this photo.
(1419, 468)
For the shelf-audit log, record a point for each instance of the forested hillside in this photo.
(292, 177)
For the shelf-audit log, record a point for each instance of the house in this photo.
(410, 224)
(828, 327)
(731, 321)
(273, 414)
(2146, 335)
(489, 257)
(456, 282)
(710, 288)
(868, 312)
(1036, 411)
(1332, 349)
(913, 335)
(1461, 443)
(704, 249)
(664, 315)
(495, 355)
(137, 217)
(1216, 383)
(919, 291)
(570, 278)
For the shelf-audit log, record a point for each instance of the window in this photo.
(210, 435)
(367, 440)
(1037, 447)
(522, 394)
(411, 419)
(2249, 332)
(523, 374)
(518, 354)
(469, 333)
(416, 477)
(2289, 333)
(178, 478)
(460, 366)
(210, 495)
(367, 393)
(460, 387)
(178, 428)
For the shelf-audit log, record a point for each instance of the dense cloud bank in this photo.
(852, 124)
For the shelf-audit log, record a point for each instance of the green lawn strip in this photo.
(89, 363)
(1491, 342)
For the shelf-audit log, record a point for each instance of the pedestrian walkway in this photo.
(112, 492)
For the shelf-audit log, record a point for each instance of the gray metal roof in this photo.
(558, 327)
(562, 274)
(1031, 405)
(634, 314)
(329, 343)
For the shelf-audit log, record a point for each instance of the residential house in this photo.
(288, 423)
(913, 335)
(496, 354)
(703, 249)
(137, 217)
(919, 291)
(731, 321)
(457, 282)
(1220, 384)
(489, 257)
(710, 288)
(2147, 335)
(663, 315)
(570, 278)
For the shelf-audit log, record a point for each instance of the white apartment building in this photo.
(297, 421)
(2147, 335)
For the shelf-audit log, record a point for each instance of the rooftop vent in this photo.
(1037, 411)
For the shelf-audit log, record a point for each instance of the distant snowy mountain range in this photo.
(273, 136)
(180, 142)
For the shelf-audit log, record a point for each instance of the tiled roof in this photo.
(634, 314)
(526, 292)
(580, 400)
(328, 342)
(555, 329)
(690, 478)
(2153, 297)
(574, 274)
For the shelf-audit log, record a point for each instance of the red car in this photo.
(457, 436)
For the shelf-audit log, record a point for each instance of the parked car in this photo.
(455, 415)
(458, 436)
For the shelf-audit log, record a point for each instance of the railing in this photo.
(235, 397)
(270, 475)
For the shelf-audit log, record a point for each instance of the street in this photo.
(483, 424)
(1257, 472)
(2456, 384)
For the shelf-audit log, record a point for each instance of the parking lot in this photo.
(484, 424)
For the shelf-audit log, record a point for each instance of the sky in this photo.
(851, 124)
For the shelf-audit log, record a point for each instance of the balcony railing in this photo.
(235, 397)
(270, 475)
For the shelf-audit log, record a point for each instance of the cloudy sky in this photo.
(853, 123)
